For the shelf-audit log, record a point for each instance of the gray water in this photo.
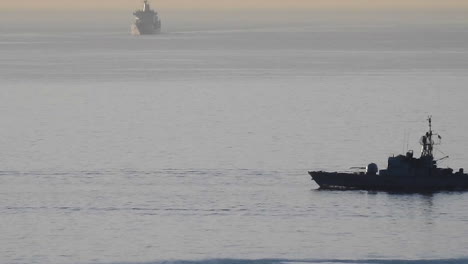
(194, 147)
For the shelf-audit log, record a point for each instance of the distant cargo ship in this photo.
(147, 21)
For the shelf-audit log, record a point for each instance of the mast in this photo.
(427, 142)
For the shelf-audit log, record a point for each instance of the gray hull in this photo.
(145, 29)
(335, 180)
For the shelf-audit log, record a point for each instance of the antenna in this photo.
(446, 157)
(407, 140)
(406, 137)
(430, 124)
(404, 141)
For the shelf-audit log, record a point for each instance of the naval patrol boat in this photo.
(404, 173)
(147, 21)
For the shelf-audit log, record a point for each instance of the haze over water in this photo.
(194, 145)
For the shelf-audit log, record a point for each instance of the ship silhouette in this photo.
(403, 173)
(147, 21)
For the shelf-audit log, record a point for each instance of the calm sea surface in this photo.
(194, 147)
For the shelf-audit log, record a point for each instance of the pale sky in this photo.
(226, 4)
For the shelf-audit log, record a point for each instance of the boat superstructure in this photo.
(146, 21)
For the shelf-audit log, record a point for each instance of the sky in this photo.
(235, 4)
